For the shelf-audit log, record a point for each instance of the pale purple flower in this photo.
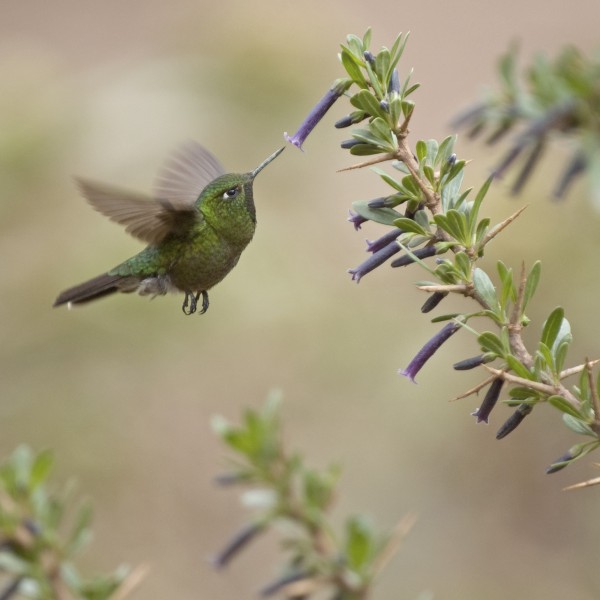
(356, 219)
(317, 113)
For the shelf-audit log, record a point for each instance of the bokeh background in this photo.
(123, 390)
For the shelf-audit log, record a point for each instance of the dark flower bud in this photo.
(378, 202)
(385, 106)
(355, 117)
(369, 57)
(420, 253)
(238, 542)
(384, 240)
(428, 350)
(563, 461)
(514, 420)
(451, 160)
(470, 363)
(433, 301)
(347, 144)
(356, 219)
(394, 85)
(227, 479)
(376, 259)
(385, 202)
(489, 401)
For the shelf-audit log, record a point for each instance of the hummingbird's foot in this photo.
(204, 301)
(190, 302)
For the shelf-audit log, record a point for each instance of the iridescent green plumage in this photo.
(197, 227)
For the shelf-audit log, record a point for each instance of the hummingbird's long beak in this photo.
(264, 163)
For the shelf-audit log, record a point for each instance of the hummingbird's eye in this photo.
(231, 193)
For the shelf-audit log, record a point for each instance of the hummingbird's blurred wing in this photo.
(145, 218)
(186, 173)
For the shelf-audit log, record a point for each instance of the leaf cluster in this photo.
(296, 500)
(557, 98)
(443, 230)
(37, 549)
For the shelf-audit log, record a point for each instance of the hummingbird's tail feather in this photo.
(98, 287)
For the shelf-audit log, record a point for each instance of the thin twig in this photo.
(474, 390)
(574, 370)
(131, 582)
(398, 534)
(458, 288)
(368, 163)
(583, 484)
(498, 228)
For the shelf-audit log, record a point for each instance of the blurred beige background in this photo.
(123, 390)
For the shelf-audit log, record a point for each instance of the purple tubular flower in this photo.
(428, 350)
(420, 253)
(241, 539)
(384, 240)
(377, 259)
(356, 219)
(489, 401)
(433, 301)
(317, 113)
(514, 420)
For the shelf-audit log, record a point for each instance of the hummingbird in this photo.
(196, 225)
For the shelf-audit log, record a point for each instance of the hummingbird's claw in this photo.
(204, 301)
(190, 302)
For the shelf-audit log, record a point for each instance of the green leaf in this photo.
(359, 544)
(490, 342)
(552, 326)
(421, 150)
(407, 108)
(42, 465)
(365, 150)
(566, 407)
(546, 356)
(444, 152)
(518, 368)
(508, 291)
(355, 44)
(485, 288)
(463, 264)
(385, 216)
(532, 282)
(578, 426)
(382, 65)
(352, 66)
(410, 226)
(367, 38)
(81, 534)
(366, 101)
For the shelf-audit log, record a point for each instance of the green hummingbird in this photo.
(197, 225)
